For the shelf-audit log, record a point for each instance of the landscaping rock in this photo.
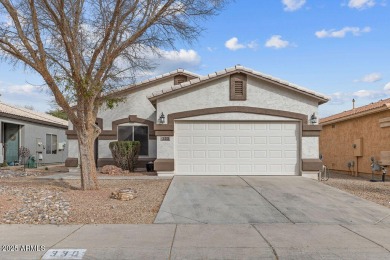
(124, 194)
(111, 170)
(39, 206)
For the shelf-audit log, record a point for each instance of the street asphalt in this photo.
(223, 218)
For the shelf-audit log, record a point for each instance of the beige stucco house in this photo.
(232, 122)
(349, 139)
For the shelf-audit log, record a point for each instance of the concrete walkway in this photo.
(74, 174)
(197, 241)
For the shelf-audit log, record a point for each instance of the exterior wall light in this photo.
(161, 120)
(313, 119)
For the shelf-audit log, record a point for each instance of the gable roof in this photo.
(155, 79)
(379, 106)
(236, 69)
(31, 116)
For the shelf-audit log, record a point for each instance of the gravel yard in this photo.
(378, 192)
(24, 199)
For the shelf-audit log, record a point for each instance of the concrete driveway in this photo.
(263, 199)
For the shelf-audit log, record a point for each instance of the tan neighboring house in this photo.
(43, 134)
(349, 139)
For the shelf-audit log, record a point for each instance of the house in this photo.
(43, 134)
(349, 139)
(233, 122)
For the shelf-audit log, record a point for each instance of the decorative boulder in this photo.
(124, 194)
(111, 170)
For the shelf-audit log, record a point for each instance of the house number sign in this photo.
(165, 138)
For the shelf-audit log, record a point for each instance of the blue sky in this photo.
(339, 48)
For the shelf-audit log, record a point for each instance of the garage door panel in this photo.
(229, 127)
(275, 154)
(260, 140)
(245, 154)
(229, 140)
(236, 148)
(245, 140)
(275, 140)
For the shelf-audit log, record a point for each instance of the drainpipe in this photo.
(357, 166)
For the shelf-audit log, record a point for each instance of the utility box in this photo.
(385, 158)
(39, 145)
(358, 147)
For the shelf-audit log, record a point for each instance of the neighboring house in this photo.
(43, 134)
(349, 139)
(233, 122)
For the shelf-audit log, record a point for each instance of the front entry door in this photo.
(11, 141)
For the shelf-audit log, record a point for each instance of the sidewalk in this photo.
(74, 174)
(170, 241)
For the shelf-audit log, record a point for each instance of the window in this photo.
(238, 86)
(135, 133)
(51, 144)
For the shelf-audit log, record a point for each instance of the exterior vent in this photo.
(238, 86)
(180, 79)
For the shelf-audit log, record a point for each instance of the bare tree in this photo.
(83, 49)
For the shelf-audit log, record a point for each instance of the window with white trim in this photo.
(135, 133)
(51, 144)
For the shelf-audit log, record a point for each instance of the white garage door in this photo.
(236, 148)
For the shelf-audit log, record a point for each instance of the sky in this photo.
(339, 48)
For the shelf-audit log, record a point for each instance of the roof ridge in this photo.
(357, 110)
(230, 70)
(43, 116)
(152, 79)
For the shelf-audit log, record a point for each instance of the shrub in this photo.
(125, 154)
(24, 153)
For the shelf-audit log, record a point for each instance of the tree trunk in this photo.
(87, 159)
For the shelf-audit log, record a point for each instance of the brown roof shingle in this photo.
(359, 111)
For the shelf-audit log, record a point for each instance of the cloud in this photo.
(368, 94)
(253, 45)
(233, 45)
(332, 33)
(292, 5)
(172, 60)
(386, 88)
(276, 42)
(25, 89)
(361, 4)
(339, 98)
(211, 49)
(370, 78)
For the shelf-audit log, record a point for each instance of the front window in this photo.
(135, 133)
(51, 144)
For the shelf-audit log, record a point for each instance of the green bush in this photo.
(125, 154)
(4, 164)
